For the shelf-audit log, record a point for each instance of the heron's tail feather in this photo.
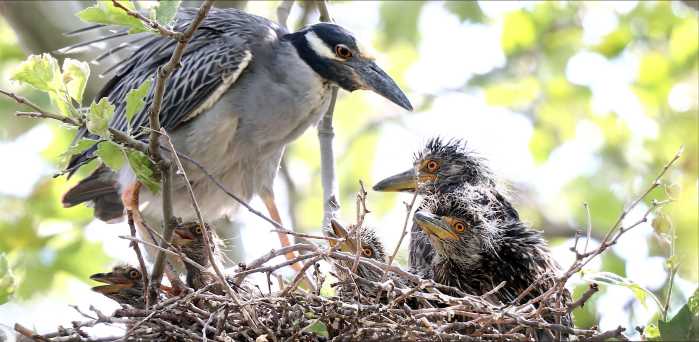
(102, 189)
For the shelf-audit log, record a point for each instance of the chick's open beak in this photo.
(434, 226)
(108, 278)
(374, 78)
(404, 181)
(107, 289)
(182, 237)
(339, 231)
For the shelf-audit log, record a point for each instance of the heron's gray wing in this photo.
(208, 69)
(211, 64)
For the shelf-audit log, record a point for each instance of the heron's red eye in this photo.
(460, 227)
(432, 166)
(343, 51)
(134, 274)
(367, 252)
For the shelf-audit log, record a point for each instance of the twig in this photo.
(162, 75)
(214, 263)
(361, 214)
(591, 290)
(162, 30)
(117, 136)
(139, 256)
(325, 139)
(589, 226)
(402, 235)
(299, 276)
(283, 11)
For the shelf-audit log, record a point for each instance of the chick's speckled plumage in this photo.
(491, 249)
(124, 285)
(458, 167)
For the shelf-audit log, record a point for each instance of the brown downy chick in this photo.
(370, 246)
(124, 285)
(478, 247)
(189, 237)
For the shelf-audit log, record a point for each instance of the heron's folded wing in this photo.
(211, 64)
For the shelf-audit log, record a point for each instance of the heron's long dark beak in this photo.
(404, 181)
(433, 225)
(375, 79)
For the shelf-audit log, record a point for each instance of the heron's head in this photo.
(121, 277)
(189, 237)
(335, 55)
(440, 166)
(458, 225)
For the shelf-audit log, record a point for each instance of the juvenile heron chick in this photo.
(443, 166)
(189, 237)
(478, 247)
(124, 285)
(366, 277)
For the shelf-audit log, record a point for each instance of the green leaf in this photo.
(166, 10)
(651, 332)
(7, 280)
(661, 223)
(465, 10)
(104, 12)
(75, 76)
(135, 102)
(145, 169)
(111, 155)
(40, 72)
(319, 328)
(99, 116)
(639, 291)
(399, 21)
(79, 147)
(518, 32)
(684, 326)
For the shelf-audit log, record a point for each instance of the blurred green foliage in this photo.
(538, 40)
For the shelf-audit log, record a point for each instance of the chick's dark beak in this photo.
(374, 79)
(434, 226)
(340, 232)
(107, 278)
(404, 181)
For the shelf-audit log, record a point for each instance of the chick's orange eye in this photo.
(343, 51)
(459, 227)
(432, 166)
(367, 252)
(198, 230)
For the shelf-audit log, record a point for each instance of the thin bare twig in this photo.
(139, 256)
(283, 11)
(409, 208)
(214, 263)
(162, 75)
(162, 30)
(591, 290)
(325, 139)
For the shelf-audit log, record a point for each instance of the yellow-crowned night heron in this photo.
(478, 246)
(246, 88)
(443, 166)
(124, 285)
